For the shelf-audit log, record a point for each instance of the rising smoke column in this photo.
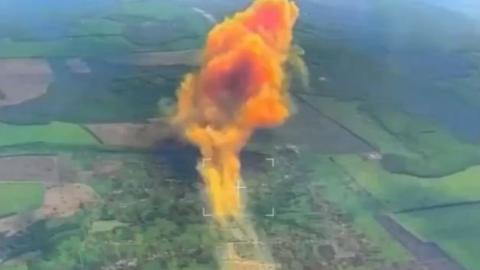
(240, 86)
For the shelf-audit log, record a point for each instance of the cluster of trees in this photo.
(143, 221)
(294, 232)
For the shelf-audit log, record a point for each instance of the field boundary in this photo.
(437, 206)
(428, 254)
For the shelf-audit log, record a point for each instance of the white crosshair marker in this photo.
(205, 160)
(272, 160)
(204, 213)
(239, 187)
(272, 214)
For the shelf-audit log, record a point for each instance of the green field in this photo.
(153, 10)
(422, 165)
(346, 194)
(392, 189)
(116, 99)
(20, 197)
(410, 145)
(54, 133)
(469, 84)
(105, 225)
(454, 229)
(97, 26)
(348, 114)
(78, 46)
(21, 266)
(439, 152)
(180, 27)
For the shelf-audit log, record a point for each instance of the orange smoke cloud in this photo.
(239, 87)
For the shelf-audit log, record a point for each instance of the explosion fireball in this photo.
(241, 85)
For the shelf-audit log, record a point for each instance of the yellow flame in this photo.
(239, 87)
